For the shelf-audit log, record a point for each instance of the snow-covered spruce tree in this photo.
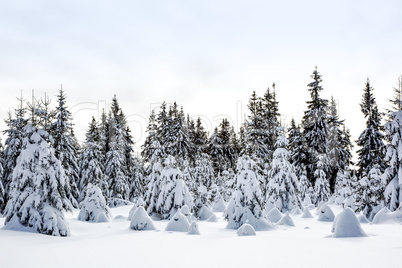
(229, 182)
(94, 207)
(13, 145)
(174, 193)
(246, 203)
(2, 195)
(91, 169)
(339, 147)
(315, 126)
(343, 186)
(306, 189)
(154, 181)
(199, 138)
(204, 185)
(271, 117)
(392, 177)
(369, 193)
(228, 152)
(321, 187)
(215, 151)
(64, 146)
(234, 149)
(370, 141)
(37, 197)
(137, 184)
(147, 149)
(283, 185)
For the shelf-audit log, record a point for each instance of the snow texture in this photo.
(194, 229)
(138, 203)
(363, 219)
(186, 212)
(274, 215)
(178, 223)
(326, 213)
(306, 213)
(246, 230)
(286, 220)
(219, 206)
(346, 224)
(213, 218)
(141, 221)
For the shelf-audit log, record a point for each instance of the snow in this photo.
(307, 214)
(363, 219)
(386, 216)
(178, 223)
(141, 221)
(194, 229)
(346, 224)
(286, 220)
(325, 213)
(274, 215)
(246, 230)
(116, 245)
(219, 206)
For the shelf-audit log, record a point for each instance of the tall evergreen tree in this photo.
(369, 193)
(216, 151)
(64, 145)
(38, 208)
(370, 141)
(271, 117)
(315, 126)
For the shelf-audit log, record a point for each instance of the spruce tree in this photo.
(137, 183)
(369, 193)
(283, 185)
(64, 145)
(321, 186)
(315, 126)
(271, 117)
(200, 137)
(38, 208)
(216, 151)
(146, 149)
(370, 141)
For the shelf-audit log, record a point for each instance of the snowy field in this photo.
(113, 244)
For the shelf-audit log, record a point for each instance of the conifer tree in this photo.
(321, 187)
(271, 117)
(369, 193)
(315, 126)
(38, 208)
(64, 145)
(283, 185)
(200, 138)
(215, 151)
(137, 183)
(146, 149)
(370, 141)
(2, 194)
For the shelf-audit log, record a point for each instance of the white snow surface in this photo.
(178, 223)
(325, 213)
(246, 230)
(286, 220)
(274, 215)
(141, 221)
(116, 245)
(346, 224)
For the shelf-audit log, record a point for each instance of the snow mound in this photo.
(286, 220)
(307, 213)
(274, 215)
(141, 221)
(213, 218)
(204, 213)
(102, 218)
(117, 202)
(363, 219)
(119, 218)
(349, 202)
(325, 213)
(186, 212)
(346, 224)
(194, 229)
(296, 211)
(140, 202)
(306, 201)
(319, 206)
(178, 223)
(246, 230)
(385, 216)
(219, 206)
(311, 206)
(268, 207)
(331, 200)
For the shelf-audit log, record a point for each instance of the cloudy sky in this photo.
(206, 55)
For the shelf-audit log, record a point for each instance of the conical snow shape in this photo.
(178, 223)
(319, 206)
(219, 206)
(94, 208)
(194, 229)
(346, 224)
(331, 200)
(349, 202)
(141, 221)
(246, 230)
(382, 216)
(213, 218)
(325, 213)
(286, 220)
(296, 211)
(274, 215)
(140, 202)
(307, 201)
(204, 213)
(307, 213)
(186, 212)
(363, 219)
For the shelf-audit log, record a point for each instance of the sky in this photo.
(207, 55)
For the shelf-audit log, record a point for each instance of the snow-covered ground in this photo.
(114, 244)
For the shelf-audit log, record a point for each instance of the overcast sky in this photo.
(207, 55)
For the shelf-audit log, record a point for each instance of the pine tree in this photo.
(315, 126)
(283, 185)
(174, 193)
(343, 186)
(91, 169)
(64, 145)
(271, 117)
(2, 193)
(200, 138)
(154, 184)
(37, 198)
(94, 207)
(392, 177)
(13, 146)
(137, 184)
(246, 203)
(371, 142)
(321, 187)
(147, 149)
(215, 151)
(370, 193)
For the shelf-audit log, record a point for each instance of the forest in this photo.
(183, 171)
